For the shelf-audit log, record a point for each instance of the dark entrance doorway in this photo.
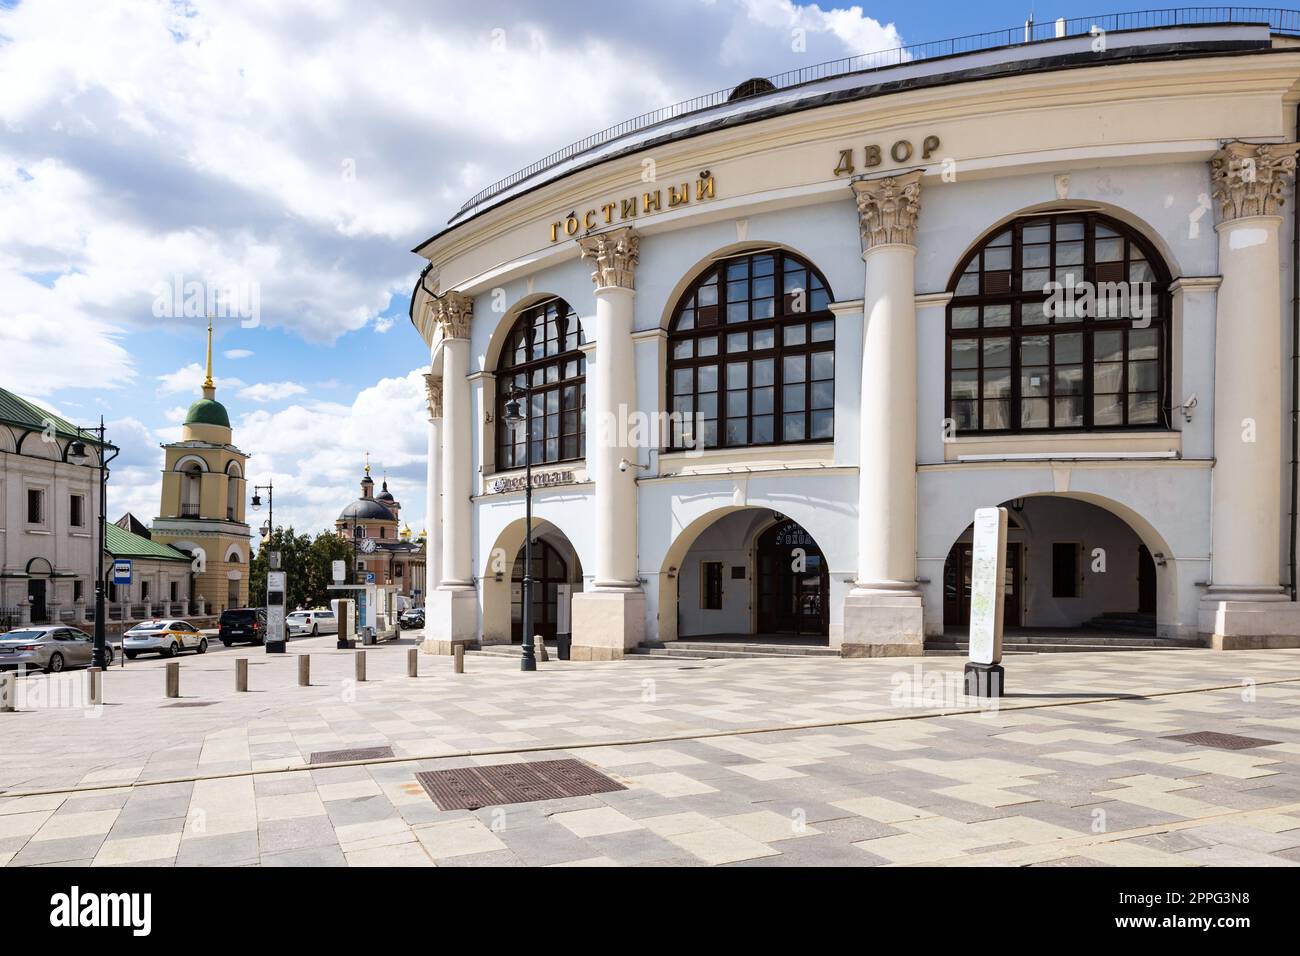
(957, 581)
(1146, 581)
(549, 572)
(36, 591)
(793, 583)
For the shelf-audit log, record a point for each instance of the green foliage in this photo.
(307, 563)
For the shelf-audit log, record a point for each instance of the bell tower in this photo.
(202, 507)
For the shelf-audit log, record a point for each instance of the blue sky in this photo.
(302, 148)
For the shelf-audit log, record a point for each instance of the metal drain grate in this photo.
(474, 787)
(1209, 738)
(339, 756)
(192, 703)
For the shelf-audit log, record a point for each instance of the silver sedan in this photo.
(50, 649)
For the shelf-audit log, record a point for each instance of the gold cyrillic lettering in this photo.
(845, 166)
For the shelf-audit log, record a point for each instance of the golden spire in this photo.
(367, 464)
(209, 387)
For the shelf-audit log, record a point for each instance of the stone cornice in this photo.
(887, 209)
(615, 255)
(1251, 179)
(453, 311)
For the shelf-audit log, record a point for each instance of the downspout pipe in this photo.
(1295, 378)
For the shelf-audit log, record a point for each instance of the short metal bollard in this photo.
(173, 679)
(361, 666)
(8, 693)
(539, 644)
(95, 686)
(458, 654)
(241, 674)
(413, 662)
(304, 670)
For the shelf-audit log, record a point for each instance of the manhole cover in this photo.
(474, 787)
(1208, 738)
(339, 756)
(192, 703)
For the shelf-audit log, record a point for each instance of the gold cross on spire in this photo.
(367, 464)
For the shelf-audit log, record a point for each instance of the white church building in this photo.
(778, 344)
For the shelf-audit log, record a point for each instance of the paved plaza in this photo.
(748, 762)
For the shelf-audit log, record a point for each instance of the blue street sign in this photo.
(121, 572)
(370, 577)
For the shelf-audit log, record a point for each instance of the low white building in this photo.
(833, 315)
(49, 507)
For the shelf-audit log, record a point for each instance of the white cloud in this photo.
(315, 453)
(271, 391)
(189, 379)
(237, 354)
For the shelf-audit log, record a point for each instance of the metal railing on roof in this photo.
(1277, 19)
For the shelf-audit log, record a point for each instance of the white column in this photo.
(454, 616)
(433, 488)
(883, 614)
(609, 619)
(1246, 605)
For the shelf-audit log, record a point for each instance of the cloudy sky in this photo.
(293, 153)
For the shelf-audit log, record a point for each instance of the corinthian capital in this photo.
(1252, 179)
(887, 209)
(433, 393)
(453, 312)
(615, 255)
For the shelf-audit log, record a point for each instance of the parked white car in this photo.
(165, 637)
(318, 621)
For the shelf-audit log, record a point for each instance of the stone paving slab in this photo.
(910, 773)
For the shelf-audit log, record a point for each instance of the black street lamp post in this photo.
(77, 453)
(517, 416)
(269, 488)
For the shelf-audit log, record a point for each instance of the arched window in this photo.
(1059, 323)
(752, 355)
(542, 355)
(191, 490)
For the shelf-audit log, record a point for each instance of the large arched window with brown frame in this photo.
(542, 354)
(1059, 323)
(751, 355)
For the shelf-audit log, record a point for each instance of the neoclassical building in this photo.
(776, 347)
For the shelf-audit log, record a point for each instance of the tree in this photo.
(293, 561)
(324, 551)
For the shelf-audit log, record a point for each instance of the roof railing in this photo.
(1277, 19)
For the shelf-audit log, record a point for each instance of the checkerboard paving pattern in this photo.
(1073, 769)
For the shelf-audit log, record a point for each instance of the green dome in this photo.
(207, 412)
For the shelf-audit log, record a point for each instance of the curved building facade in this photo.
(776, 351)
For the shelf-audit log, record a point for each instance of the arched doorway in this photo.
(793, 582)
(1071, 565)
(752, 573)
(550, 574)
(555, 565)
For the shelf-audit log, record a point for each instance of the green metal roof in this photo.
(121, 543)
(25, 414)
(207, 411)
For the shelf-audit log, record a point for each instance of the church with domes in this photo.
(202, 507)
(383, 545)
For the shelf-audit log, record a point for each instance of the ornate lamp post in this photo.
(516, 415)
(77, 453)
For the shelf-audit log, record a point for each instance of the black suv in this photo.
(245, 625)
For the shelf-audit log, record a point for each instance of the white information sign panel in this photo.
(275, 588)
(987, 585)
(340, 571)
